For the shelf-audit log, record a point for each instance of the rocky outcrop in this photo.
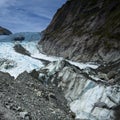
(19, 38)
(20, 49)
(85, 30)
(7, 64)
(4, 31)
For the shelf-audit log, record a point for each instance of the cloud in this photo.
(6, 3)
(3, 3)
(25, 15)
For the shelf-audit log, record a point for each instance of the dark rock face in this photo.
(20, 38)
(26, 98)
(4, 31)
(20, 49)
(85, 30)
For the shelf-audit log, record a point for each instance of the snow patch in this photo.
(84, 65)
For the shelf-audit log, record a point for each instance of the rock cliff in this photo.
(4, 31)
(85, 30)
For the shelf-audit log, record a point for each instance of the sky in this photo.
(27, 15)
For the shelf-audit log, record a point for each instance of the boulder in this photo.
(111, 74)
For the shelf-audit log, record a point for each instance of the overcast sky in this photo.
(27, 15)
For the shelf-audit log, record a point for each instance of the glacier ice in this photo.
(81, 92)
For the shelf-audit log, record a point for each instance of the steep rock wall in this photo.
(85, 30)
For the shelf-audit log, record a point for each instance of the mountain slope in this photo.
(4, 31)
(85, 30)
(26, 98)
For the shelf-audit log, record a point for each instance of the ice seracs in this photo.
(22, 62)
(88, 98)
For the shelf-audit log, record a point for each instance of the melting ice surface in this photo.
(25, 63)
(82, 104)
(19, 63)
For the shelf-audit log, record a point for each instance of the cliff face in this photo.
(85, 30)
(4, 31)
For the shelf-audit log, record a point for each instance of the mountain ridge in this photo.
(4, 31)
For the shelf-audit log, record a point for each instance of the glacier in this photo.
(88, 96)
(22, 62)
(81, 92)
